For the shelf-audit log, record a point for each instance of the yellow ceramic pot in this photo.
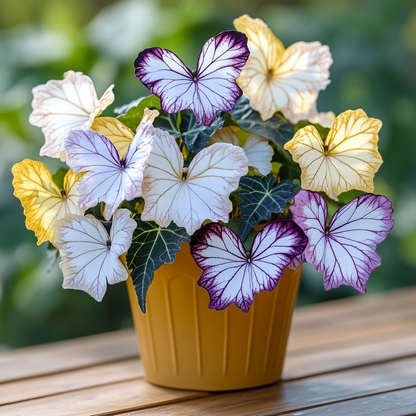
(185, 345)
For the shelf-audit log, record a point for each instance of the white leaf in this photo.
(61, 106)
(90, 255)
(189, 196)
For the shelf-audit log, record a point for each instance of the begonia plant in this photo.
(232, 157)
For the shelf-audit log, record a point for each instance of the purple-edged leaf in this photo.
(345, 249)
(210, 88)
(274, 129)
(260, 198)
(297, 261)
(152, 246)
(108, 179)
(232, 276)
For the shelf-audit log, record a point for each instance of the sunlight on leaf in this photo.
(278, 79)
(348, 159)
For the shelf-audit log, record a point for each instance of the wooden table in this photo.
(355, 356)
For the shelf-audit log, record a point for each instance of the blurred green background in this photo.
(373, 44)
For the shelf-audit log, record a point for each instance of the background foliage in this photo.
(373, 43)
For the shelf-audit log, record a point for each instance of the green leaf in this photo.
(152, 246)
(196, 136)
(323, 131)
(169, 123)
(134, 115)
(275, 129)
(59, 176)
(260, 198)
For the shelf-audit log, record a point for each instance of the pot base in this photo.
(186, 345)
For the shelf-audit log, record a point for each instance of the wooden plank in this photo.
(395, 403)
(375, 350)
(113, 398)
(350, 311)
(292, 397)
(67, 355)
(48, 385)
(329, 338)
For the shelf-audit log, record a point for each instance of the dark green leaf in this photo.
(323, 131)
(168, 122)
(274, 129)
(134, 115)
(152, 246)
(59, 176)
(196, 136)
(261, 197)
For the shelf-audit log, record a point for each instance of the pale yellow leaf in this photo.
(275, 79)
(348, 159)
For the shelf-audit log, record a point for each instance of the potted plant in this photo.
(210, 199)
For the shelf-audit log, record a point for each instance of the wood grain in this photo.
(376, 350)
(395, 403)
(343, 334)
(103, 400)
(67, 381)
(295, 396)
(351, 311)
(347, 357)
(67, 355)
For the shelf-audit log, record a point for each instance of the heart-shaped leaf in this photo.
(152, 246)
(260, 198)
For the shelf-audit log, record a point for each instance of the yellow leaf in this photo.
(119, 134)
(115, 131)
(43, 202)
(275, 79)
(348, 159)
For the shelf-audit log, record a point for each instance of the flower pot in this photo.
(186, 345)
